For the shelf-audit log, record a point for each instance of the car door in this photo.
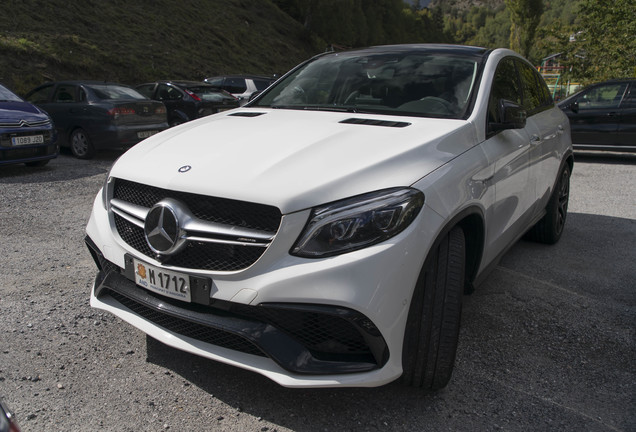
(594, 117)
(627, 123)
(545, 125)
(509, 151)
(65, 108)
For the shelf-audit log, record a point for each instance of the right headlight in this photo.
(358, 222)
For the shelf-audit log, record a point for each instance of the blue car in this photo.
(27, 134)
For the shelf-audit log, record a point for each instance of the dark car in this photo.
(241, 86)
(26, 132)
(93, 115)
(188, 100)
(603, 116)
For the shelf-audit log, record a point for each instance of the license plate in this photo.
(146, 134)
(168, 283)
(27, 140)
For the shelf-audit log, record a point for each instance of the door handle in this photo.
(535, 140)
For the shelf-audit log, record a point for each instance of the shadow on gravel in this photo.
(63, 168)
(545, 338)
(296, 409)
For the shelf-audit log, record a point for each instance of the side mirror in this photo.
(574, 106)
(511, 115)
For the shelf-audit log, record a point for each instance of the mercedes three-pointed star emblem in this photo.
(162, 228)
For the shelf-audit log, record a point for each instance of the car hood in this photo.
(294, 159)
(14, 110)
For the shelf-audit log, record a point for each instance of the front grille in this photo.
(220, 210)
(196, 255)
(212, 256)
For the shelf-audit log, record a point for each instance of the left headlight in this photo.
(358, 222)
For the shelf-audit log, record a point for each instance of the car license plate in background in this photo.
(168, 283)
(146, 134)
(27, 140)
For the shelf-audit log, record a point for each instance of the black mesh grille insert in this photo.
(221, 210)
(321, 334)
(199, 255)
(186, 328)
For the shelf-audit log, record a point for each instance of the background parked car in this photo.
(603, 116)
(188, 100)
(26, 132)
(93, 115)
(241, 86)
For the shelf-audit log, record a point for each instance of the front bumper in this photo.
(302, 339)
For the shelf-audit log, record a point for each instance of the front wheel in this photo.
(81, 145)
(432, 328)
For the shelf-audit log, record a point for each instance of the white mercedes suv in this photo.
(323, 235)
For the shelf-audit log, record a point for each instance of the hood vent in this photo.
(372, 122)
(246, 114)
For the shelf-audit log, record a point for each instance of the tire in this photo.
(81, 145)
(432, 328)
(40, 163)
(549, 229)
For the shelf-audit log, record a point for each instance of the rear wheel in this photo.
(81, 145)
(549, 229)
(432, 328)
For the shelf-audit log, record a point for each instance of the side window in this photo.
(261, 84)
(40, 96)
(217, 82)
(146, 90)
(606, 96)
(505, 86)
(534, 97)
(65, 94)
(166, 92)
(235, 85)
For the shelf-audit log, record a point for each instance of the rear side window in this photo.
(146, 90)
(234, 85)
(261, 84)
(65, 94)
(536, 96)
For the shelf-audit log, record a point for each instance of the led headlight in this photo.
(358, 222)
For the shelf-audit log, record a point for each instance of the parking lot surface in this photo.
(547, 342)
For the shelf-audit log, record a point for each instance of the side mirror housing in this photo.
(511, 115)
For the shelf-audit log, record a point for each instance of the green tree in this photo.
(524, 16)
(603, 45)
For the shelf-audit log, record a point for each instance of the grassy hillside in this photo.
(142, 40)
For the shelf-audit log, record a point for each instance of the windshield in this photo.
(7, 95)
(406, 83)
(115, 92)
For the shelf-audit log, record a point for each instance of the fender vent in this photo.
(372, 122)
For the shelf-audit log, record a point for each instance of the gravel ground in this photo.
(547, 342)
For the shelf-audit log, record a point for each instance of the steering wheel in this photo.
(437, 103)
